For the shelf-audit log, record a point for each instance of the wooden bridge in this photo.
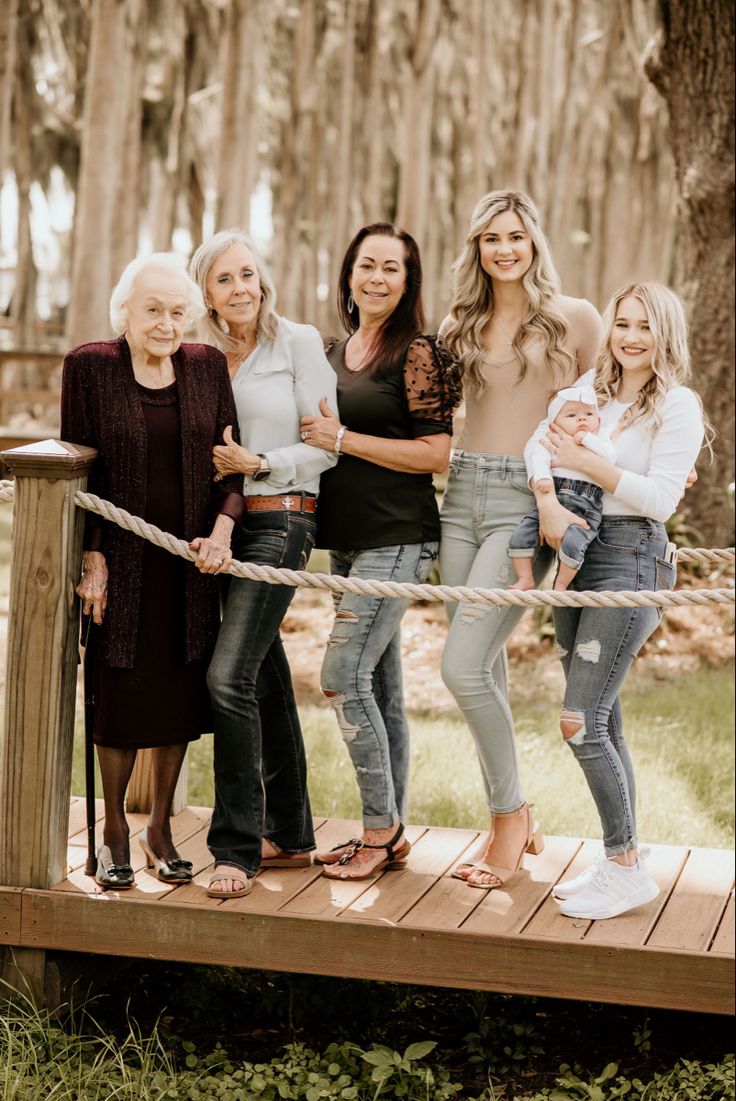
(415, 925)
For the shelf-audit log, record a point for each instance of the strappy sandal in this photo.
(462, 870)
(225, 872)
(533, 844)
(395, 857)
(282, 858)
(335, 854)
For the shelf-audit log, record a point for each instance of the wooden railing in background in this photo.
(30, 386)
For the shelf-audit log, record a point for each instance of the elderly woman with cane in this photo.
(153, 408)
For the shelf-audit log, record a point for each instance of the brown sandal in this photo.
(335, 854)
(228, 871)
(282, 858)
(395, 857)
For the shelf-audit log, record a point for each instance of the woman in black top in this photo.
(378, 516)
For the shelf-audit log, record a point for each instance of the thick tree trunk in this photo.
(8, 54)
(692, 65)
(415, 163)
(102, 162)
(23, 306)
(237, 164)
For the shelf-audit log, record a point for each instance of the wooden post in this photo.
(139, 796)
(36, 752)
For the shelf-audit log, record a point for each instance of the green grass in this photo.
(679, 733)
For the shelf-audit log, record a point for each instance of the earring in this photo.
(351, 302)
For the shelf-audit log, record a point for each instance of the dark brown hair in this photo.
(407, 320)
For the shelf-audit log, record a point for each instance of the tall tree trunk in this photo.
(8, 54)
(341, 163)
(237, 164)
(415, 164)
(126, 222)
(373, 128)
(293, 155)
(102, 161)
(692, 65)
(23, 307)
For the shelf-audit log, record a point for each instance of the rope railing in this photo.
(413, 591)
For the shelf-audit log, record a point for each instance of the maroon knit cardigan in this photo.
(101, 407)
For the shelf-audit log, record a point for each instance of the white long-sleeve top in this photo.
(280, 382)
(654, 462)
(538, 458)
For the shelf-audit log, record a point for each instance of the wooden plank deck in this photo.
(414, 925)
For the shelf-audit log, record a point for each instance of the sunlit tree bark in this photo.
(112, 43)
(692, 64)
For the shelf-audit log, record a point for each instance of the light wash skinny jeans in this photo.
(486, 497)
(361, 676)
(597, 647)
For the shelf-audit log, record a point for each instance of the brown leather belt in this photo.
(282, 502)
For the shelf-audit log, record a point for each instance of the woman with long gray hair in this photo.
(519, 339)
(279, 374)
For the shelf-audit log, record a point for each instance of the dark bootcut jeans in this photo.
(260, 763)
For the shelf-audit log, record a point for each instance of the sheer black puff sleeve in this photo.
(433, 386)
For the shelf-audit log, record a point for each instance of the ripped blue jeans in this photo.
(361, 676)
(597, 647)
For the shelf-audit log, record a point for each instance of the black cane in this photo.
(90, 867)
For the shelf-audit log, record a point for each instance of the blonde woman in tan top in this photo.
(519, 339)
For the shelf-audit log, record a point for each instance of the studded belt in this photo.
(282, 502)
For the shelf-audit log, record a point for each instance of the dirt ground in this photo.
(688, 637)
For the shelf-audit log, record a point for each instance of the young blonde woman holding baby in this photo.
(519, 339)
(657, 427)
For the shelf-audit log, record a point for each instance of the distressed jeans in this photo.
(597, 647)
(361, 676)
(260, 763)
(486, 497)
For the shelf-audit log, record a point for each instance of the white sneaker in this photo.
(613, 889)
(570, 887)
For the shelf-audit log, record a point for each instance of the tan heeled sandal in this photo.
(533, 844)
(462, 870)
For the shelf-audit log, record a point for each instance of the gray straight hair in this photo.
(157, 261)
(212, 329)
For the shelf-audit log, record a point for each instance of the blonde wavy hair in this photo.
(473, 304)
(670, 356)
(212, 329)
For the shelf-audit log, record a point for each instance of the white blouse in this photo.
(654, 462)
(280, 382)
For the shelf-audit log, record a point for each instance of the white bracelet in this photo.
(338, 439)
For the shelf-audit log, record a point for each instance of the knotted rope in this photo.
(409, 590)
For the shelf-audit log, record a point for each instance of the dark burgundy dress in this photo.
(161, 700)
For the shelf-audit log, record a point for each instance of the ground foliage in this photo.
(176, 1031)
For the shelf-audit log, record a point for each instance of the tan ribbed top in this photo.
(500, 419)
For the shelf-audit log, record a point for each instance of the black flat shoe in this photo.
(111, 876)
(168, 871)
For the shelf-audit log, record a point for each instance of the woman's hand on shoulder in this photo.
(231, 458)
(92, 587)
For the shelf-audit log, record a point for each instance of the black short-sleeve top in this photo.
(363, 505)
